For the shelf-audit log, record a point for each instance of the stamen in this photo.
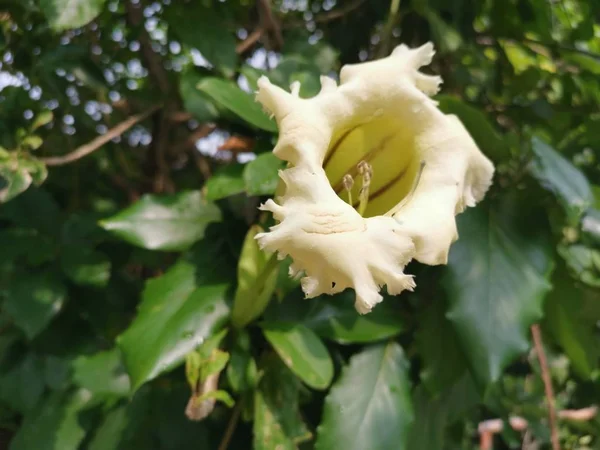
(348, 183)
(365, 170)
(406, 199)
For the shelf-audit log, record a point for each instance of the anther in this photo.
(365, 170)
(348, 183)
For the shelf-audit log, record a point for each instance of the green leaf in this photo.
(434, 414)
(179, 311)
(571, 325)
(195, 101)
(302, 351)
(43, 118)
(445, 35)
(102, 373)
(239, 102)
(67, 14)
(225, 182)
(484, 134)
(241, 370)
(202, 28)
(443, 359)
(335, 317)
(278, 424)
(169, 222)
(261, 176)
(215, 364)
(222, 396)
(54, 425)
(369, 407)
(33, 299)
(497, 278)
(560, 176)
(257, 276)
(22, 386)
(85, 266)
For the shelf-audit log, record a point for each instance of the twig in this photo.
(269, 22)
(98, 142)
(233, 420)
(247, 43)
(539, 349)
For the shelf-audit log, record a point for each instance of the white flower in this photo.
(422, 160)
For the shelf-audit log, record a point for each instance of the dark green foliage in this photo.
(134, 297)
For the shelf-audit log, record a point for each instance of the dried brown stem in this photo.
(98, 142)
(269, 22)
(247, 43)
(539, 349)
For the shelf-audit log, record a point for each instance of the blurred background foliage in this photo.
(137, 311)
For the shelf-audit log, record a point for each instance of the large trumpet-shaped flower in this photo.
(419, 168)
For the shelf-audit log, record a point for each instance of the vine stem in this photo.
(539, 349)
(233, 420)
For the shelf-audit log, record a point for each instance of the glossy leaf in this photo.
(237, 101)
(102, 373)
(369, 406)
(560, 176)
(302, 351)
(67, 14)
(33, 299)
(225, 182)
(278, 424)
(261, 176)
(170, 222)
(179, 311)
(497, 278)
(256, 276)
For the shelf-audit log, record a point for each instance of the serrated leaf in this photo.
(370, 406)
(302, 351)
(237, 101)
(261, 176)
(54, 425)
(102, 373)
(560, 176)
(225, 182)
(257, 275)
(497, 278)
(33, 299)
(169, 222)
(179, 311)
(67, 14)
(278, 424)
